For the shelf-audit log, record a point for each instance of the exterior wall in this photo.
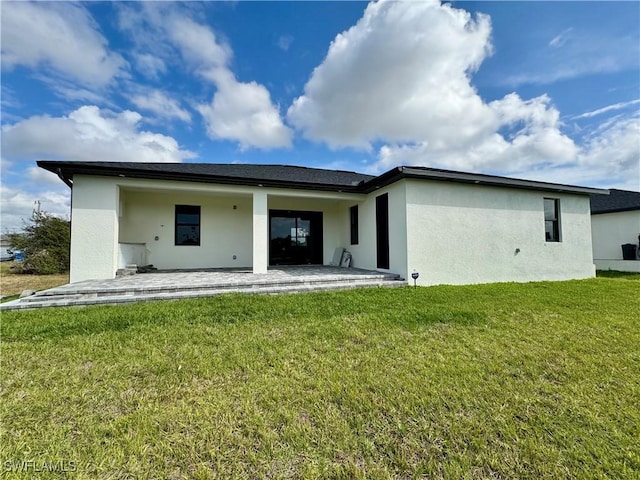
(224, 231)
(260, 234)
(108, 212)
(462, 234)
(364, 254)
(5, 246)
(618, 265)
(132, 254)
(611, 230)
(94, 228)
(449, 232)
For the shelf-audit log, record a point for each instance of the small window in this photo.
(354, 224)
(552, 219)
(187, 225)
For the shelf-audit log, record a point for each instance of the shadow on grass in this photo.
(618, 274)
(8, 298)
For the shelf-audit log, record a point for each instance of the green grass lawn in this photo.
(538, 380)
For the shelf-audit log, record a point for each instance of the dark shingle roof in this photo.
(244, 174)
(288, 176)
(437, 174)
(616, 201)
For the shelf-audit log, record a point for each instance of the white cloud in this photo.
(38, 185)
(70, 91)
(40, 176)
(609, 158)
(86, 134)
(284, 42)
(197, 43)
(59, 36)
(149, 65)
(243, 112)
(9, 99)
(18, 204)
(615, 151)
(401, 74)
(89, 133)
(560, 39)
(239, 111)
(608, 108)
(575, 54)
(158, 102)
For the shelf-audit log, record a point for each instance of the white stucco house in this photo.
(615, 221)
(451, 227)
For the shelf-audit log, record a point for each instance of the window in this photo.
(552, 219)
(354, 224)
(187, 225)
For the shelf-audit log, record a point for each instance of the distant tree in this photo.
(45, 242)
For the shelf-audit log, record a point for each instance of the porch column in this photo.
(260, 233)
(94, 228)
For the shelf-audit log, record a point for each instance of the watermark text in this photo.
(40, 466)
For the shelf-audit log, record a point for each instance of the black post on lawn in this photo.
(415, 276)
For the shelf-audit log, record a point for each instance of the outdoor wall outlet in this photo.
(157, 238)
(234, 257)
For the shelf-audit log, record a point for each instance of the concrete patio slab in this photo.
(164, 285)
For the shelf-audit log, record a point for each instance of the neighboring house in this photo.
(5, 248)
(451, 227)
(615, 221)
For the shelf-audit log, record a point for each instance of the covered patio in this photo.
(225, 226)
(177, 284)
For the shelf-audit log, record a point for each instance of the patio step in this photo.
(70, 296)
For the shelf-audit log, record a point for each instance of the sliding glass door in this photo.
(295, 237)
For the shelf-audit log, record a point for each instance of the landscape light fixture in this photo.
(415, 276)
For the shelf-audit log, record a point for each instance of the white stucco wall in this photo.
(109, 210)
(224, 231)
(260, 227)
(448, 232)
(611, 230)
(94, 228)
(364, 254)
(618, 265)
(462, 234)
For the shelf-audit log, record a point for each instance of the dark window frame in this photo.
(552, 234)
(353, 223)
(188, 210)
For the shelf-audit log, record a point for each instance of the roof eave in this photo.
(399, 173)
(66, 171)
(616, 210)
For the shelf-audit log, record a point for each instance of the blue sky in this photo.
(542, 90)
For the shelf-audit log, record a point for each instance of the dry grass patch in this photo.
(14, 284)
